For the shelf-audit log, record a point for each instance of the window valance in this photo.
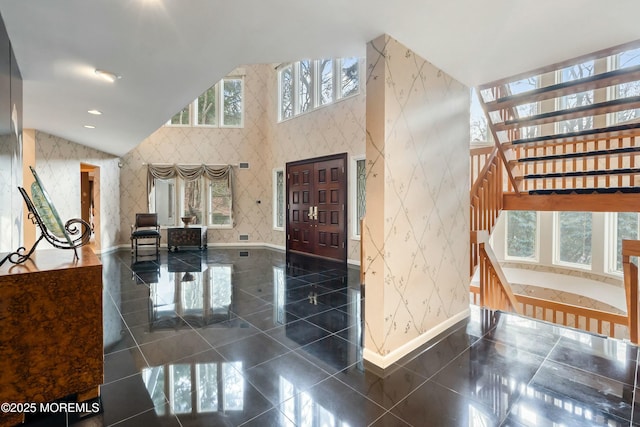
(186, 172)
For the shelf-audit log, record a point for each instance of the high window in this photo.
(219, 106)
(576, 72)
(629, 58)
(310, 84)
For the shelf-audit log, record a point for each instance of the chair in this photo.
(145, 228)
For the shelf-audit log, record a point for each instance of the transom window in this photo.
(309, 84)
(219, 106)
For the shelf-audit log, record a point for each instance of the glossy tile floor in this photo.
(219, 339)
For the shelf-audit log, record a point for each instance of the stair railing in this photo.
(631, 248)
(495, 290)
(486, 201)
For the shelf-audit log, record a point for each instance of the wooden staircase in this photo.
(559, 146)
(545, 155)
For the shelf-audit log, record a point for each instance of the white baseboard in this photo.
(397, 354)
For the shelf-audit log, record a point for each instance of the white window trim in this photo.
(194, 108)
(507, 257)
(611, 248)
(353, 194)
(219, 91)
(220, 98)
(611, 234)
(275, 198)
(315, 90)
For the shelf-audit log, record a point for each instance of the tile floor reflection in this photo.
(215, 339)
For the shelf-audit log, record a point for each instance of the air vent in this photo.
(243, 165)
(244, 253)
(243, 237)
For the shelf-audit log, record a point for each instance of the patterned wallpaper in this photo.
(197, 145)
(58, 166)
(417, 230)
(263, 143)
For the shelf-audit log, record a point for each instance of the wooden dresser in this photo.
(193, 235)
(50, 329)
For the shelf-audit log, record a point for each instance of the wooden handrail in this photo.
(631, 248)
(495, 290)
(562, 313)
(486, 202)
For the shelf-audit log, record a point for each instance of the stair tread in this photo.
(552, 91)
(622, 171)
(610, 131)
(595, 153)
(611, 106)
(609, 190)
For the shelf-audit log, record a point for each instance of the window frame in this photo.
(612, 242)
(178, 203)
(353, 194)
(557, 242)
(276, 171)
(193, 113)
(316, 85)
(536, 257)
(221, 98)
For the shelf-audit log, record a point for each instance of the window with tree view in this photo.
(219, 198)
(521, 235)
(574, 237)
(629, 58)
(220, 105)
(626, 228)
(576, 72)
(309, 84)
(232, 103)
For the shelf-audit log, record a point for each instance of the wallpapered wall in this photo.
(197, 145)
(417, 230)
(263, 143)
(58, 166)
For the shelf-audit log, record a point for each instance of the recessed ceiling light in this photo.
(90, 126)
(95, 112)
(107, 75)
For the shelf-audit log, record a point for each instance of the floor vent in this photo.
(244, 253)
(243, 237)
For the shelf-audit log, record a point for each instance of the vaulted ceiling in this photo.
(169, 51)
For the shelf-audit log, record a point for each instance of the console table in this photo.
(187, 236)
(50, 329)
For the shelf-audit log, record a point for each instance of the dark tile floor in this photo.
(216, 339)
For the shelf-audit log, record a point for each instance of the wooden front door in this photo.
(317, 207)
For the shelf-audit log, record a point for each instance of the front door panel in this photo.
(316, 207)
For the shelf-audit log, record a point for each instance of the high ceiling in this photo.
(170, 51)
